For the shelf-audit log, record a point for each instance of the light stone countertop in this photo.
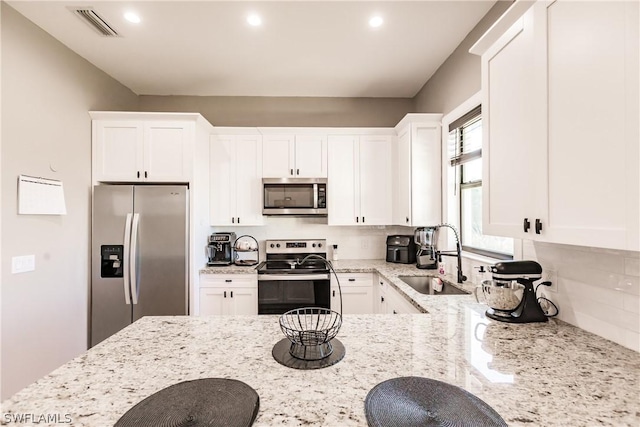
(550, 374)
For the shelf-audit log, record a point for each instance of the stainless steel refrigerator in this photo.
(139, 255)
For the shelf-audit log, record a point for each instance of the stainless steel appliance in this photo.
(295, 196)
(285, 285)
(401, 249)
(426, 239)
(138, 255)
(220, 250)
(510, 294)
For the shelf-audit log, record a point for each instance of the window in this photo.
(465, 151)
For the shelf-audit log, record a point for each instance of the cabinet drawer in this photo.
(228, 280)
(353, 279)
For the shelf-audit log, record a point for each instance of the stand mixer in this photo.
(426, 238)
(511, 295)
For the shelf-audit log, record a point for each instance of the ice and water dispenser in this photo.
(112, 260)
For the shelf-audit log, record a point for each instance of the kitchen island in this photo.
(531, 374)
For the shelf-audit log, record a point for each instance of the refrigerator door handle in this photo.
(125, 260)
(134, 258)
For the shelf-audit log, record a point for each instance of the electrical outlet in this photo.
(23, 264)
(550, 276)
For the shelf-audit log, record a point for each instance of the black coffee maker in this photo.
(220, 249)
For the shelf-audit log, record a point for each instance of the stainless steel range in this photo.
(284, 285)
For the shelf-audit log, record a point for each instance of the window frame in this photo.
(461, 185)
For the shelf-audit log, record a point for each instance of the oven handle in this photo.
(274, 277)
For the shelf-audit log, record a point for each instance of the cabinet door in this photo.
(375, 180)
(511, 102)
(342, 202)
(243, 300)
(213, 301)
(311, 156)
(355, 300)
(402, 179)
(278, 156)
(222, 167)
(398, 304)
(248, 180)
(118, 150)
(426, 174)
(591, 148)
(167, 151)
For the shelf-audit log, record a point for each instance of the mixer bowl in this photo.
(504, 295)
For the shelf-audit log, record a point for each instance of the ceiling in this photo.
(302, 48)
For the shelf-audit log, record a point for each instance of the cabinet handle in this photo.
(538, 226)
(381, 299)
(526, 225)
(138, 173)
(233, 220)
(231, 294)
(228, 280)
(381, 283)
(352, 280)
(145, 174)
(407, 220)
(291, 171)
(395, 312)
(334, 293)
(238, 220)
(297, 171)
(357, 219)
(363, 220)
(225, 294)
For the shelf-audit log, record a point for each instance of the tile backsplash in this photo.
(354, 242)
(596, 289)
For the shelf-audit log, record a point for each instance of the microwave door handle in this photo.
(315, 196)
(125, 259)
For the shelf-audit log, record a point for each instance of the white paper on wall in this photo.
(40, 196)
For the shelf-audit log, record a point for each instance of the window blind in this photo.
(465, 138)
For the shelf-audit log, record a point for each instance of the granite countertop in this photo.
(550, 374)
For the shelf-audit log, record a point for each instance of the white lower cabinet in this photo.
(390, 301)
(228, 294)
(357, 293)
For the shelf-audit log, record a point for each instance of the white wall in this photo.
(47, 91)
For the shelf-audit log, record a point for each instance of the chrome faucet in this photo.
(457, 253)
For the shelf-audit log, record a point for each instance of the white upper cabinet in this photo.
(127, 147)
(359, 189)
(552, 173)
(417, 171)
(294, 156)
(236, 180)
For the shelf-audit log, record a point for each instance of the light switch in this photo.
(23, 264)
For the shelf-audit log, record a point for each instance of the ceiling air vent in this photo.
(95, 21)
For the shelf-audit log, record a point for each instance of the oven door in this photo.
(279, 293)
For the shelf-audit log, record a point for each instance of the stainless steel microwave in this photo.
(294, 196)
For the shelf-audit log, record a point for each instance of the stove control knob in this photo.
(319, 245)
(272, 245)
(277, 245)
(314, 245)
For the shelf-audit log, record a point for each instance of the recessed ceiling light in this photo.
(254, 20)
(375, 21)
(132, 17)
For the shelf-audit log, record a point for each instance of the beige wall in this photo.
(286, 111)
(458, 78)
(47, 91)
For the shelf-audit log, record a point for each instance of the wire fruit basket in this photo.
(310, 330)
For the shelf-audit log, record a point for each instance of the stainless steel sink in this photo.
(422, 284)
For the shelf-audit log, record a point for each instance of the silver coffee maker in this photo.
(426, 239)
